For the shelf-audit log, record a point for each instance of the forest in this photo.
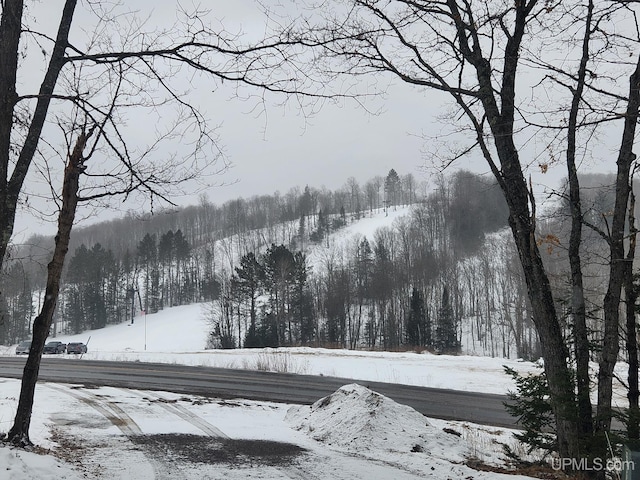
(443, 277)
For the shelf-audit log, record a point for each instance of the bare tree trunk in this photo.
(578, 308)
(631, 294)
(19, 433)
(618, 269)
(10, 31)
(510, 176)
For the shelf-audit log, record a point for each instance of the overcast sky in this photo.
(278, 149)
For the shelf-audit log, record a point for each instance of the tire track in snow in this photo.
(120, 419)
(175, 408)
(292, 472)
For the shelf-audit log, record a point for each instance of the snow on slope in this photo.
(352, 234)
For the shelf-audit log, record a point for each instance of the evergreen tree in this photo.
(268, 332)
(210, 287)
(336, 305)
(75, 312)
(166, 257)
(147, 254)
(322, 229)
(363, 269)
(446, 338)
(91, 275)
(529, 403)
(302, 300)
(382, 285)
(248, 281)
(392, 188)
(181, 254)
(307, 317)
(302, 229)
(306, 203)
(279, 266)
(341, 221)
(418, 328)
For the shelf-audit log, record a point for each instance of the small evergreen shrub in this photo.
(530, 405)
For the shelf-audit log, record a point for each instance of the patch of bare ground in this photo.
(68, 448)
(72, 450)
(208, 450)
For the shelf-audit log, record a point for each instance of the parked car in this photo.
(76, 347)
(23, 348)
(55, 347)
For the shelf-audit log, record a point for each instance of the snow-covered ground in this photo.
(355, 433)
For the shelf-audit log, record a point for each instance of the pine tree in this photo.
(306, 202)
(248, 281)
(322, 229)
(181, 254)
(418, 329)
(279, 266)
(302, 299)
(363, 269)
(147, 254)
(165, 260)
(446, 338)
(392, 188)
(336, 307)
(209, 286)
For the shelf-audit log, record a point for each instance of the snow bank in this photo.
(357, 419)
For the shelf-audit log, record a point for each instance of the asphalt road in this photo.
(487, 409)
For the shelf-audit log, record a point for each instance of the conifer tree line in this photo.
(437, 278)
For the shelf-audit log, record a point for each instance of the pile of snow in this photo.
(357, 419)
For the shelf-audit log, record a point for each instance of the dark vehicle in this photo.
(55, 347)
(23, 348)
(76, 347)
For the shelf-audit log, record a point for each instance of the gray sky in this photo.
(278, 149)
(273, 149)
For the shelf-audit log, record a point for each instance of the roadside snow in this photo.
(352, 434)
(355, 433)
(360, 420)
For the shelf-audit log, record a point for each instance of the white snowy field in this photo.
(117, 433)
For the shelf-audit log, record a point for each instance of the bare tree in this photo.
(19, 432)
(125, 64)
(146, 67)
(474, 51)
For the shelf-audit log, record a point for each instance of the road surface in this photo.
(483, 408)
